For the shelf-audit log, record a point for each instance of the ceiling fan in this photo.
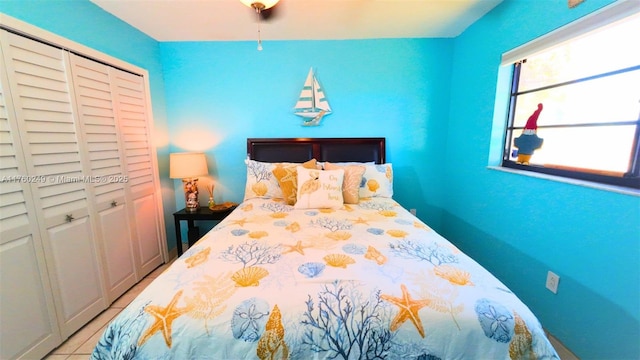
(264, 10)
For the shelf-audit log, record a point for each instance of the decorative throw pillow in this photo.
(377, 181)
(288, 179)
(260, 180)
(319, 189)
(351, 183)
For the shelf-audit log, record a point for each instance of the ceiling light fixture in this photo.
(259, 6)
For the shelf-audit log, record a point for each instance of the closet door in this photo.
(39, 84)
(142, 186)
(28, 323)
(101, 142)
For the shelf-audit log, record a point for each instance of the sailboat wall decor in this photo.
(312, 105)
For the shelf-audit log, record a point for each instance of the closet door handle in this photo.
(69, 218)
(114, 203)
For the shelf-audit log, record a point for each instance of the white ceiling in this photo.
(230, 20)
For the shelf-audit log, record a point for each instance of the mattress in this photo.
(363, 281)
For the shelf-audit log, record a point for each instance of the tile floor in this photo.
(81, 344)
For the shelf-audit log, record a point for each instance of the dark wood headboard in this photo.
(322, 149)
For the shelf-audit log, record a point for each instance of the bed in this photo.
(297, 271)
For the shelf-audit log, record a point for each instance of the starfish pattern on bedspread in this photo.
(298, 247)
(408, 309)
(164, 317)
(360, 220)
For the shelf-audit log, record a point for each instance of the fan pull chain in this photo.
(259, 37)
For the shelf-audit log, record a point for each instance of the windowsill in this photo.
(589, 184)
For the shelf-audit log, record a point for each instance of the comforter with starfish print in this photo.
(366, 281)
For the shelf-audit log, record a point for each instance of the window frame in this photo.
(630, 179)
(515, 57)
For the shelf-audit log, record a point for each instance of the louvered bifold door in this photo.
(28, 323)
(39, 82)
(142, 187)
(100, 137)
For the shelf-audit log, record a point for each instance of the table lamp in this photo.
(188, 166)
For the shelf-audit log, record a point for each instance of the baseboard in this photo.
(563, 351)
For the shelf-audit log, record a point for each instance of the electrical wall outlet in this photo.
(552, 282)
(413, 211)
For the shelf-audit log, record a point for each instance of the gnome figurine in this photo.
(528, 142)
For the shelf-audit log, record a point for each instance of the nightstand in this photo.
(193, 233)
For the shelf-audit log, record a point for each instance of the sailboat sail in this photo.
(312, 105)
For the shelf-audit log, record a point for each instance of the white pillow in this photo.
(377, 181)
(351, 182)
(319, 189)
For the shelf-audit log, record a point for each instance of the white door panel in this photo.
(118, 250)
(28, 325)
(26, 305)
(142, 187)
(76, 272)
(146, 225)
(101, 139)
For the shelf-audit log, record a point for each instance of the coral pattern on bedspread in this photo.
(366, 281)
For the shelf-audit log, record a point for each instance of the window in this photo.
(574, 108)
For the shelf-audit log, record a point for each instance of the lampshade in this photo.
(187, 165)
(260, 4)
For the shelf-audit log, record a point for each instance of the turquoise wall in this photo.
(87, 24)
(520, 227)
(423, 95)
(224, 92)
